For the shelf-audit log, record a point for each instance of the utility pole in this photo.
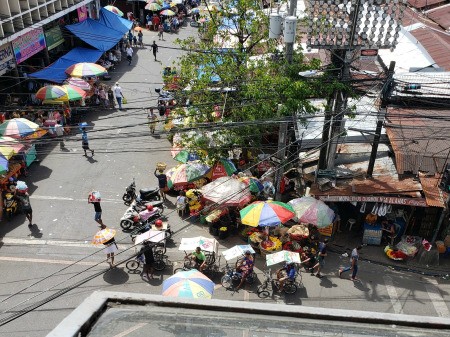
(290, 45)
(282, 133)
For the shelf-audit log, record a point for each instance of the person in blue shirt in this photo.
(85, 142)
(286, 273)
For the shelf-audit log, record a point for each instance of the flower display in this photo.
(271, 244)
(223, 229)
(292, 246)
(256, 237)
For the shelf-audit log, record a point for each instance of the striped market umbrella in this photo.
(266, 213)
(153, 6)
(254, 184)
(50, 92)
(18, 128)
(226, 191)
(78, 82)
(103, 236)
(4, 165)
(12, 143)
(186, 173)
(114, 9)
(85, 69)
(74, 93)
(6, 151)
(313, 211)
(188, 284)
(184, 156)
(167, 12)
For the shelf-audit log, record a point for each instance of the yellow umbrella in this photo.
(103, 236)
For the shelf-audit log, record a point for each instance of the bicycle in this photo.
(232, 277)
(189, 263)
(159, 264)
(290, 286)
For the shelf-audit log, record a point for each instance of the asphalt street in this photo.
(58, 253)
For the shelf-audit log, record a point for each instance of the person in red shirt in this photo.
(155, 21)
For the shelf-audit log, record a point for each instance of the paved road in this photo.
(60, 182)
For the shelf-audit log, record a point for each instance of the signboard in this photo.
(218, 171)
(53, 38)
(368, 54)
(6, 58)
(418, 202)
(28, 44)
(82, 13)
(326, 231)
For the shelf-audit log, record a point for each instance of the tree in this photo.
(233, 68)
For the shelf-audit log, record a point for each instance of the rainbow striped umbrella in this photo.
(78, 82)
(313, 211)
(85, 69)
(167, 12)
(6, 151)
(50, 92)
(266, 213)
(188, 284)
(153, 7)
(4, 165)
(188, 172)
(74, 93)
(114, 9)
(103, 236)
(12, 143)
(18, 128)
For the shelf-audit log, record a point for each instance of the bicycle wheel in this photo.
(132, 265)
(159, 265)
(179, 269)
(160, 249)
(262, 291)
(226, 282)
(290, 288)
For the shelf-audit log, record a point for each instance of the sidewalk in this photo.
(344, 243)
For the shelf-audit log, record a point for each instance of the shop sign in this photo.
(418, 202)
(326, 231)
(82, 13)
(28, 44)
(218, 171)
(6, 59)
(53, 38)
(368, 54)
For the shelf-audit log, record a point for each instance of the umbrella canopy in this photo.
(137, 29)
(266, 213)
(313, 211)
(283, 256)
(237, 251)
(186, 173)
(18, 128)
(227, 191)
(223, 168)
(184, 156)
(12, 143)
(78, 82)
(188, 284)
(103, 236)
(153, 6)
(195, 10)
(206, 244)
(51, 92)
(253, 184)
(85, 69)
(6, 151)
(167, 12)
(4, 165)
(113, 9)
(74, 93)
(151, 236)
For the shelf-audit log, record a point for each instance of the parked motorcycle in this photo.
(135, 217)
(11, 205)
(146, 194)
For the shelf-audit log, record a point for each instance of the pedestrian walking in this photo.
(94, 198)
(141, 39)
(24, 200)
(155, 21)
(129, 54)
(152, 120)
(85, 142)
(149, 260)
(321, 257)
(160, 31)
(354, 264)
(111, 98)
(162, 183)
(135, 41)
(148, 20)
(118, 93)
(154, 49)
(130, 37)
(102, 95)
(110, 249)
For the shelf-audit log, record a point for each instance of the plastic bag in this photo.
(124, 100)
(363, 208)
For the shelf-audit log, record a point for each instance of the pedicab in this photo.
(156, 237)
(209, 246)
(233, 276)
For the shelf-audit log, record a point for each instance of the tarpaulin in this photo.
(113, 21)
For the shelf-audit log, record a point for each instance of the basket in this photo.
(161, 166)
(265, 252)
(441, 247)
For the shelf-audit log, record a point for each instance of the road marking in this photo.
(246, 295)
(436, 298)
(26, 259)
(392, 292)
(62, 243)
(130, 330)
(49, 197)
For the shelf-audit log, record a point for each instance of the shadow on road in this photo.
(116, 276)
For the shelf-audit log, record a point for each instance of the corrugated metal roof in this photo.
(432, 84)
(437, 45)
(433, 194)
(424, 3)
(419, 138)
(441, 16)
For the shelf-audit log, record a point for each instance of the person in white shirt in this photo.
(129, 54)
(118, 93)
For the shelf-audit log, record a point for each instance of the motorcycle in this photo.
(232, 278)
(136, 216)
(11, 205)
(146, 194)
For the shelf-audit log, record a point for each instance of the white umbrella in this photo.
(205, 244)
(283, 256)
(152, 236)
(237, 251)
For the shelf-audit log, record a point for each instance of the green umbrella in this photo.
(184, 156)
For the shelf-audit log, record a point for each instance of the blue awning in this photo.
(56, 71)
(96, 34)
(111, 20)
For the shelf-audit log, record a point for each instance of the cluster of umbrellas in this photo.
(12, 131)
(164, 7)
(75, 86)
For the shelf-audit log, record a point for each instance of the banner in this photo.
(82, 13)
(418, 202)
(6, 59)
(53, 38)
(28, 44)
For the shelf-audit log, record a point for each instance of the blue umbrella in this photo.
(165, 5)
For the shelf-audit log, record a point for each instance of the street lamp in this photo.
(349, 29)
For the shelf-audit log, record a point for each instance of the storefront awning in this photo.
(113, 21)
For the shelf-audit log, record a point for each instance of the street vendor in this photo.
(199, 257)
(245, 266)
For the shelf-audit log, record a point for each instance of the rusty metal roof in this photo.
(441, 16)
(424, 3)
(419, 138)
(433, 194)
